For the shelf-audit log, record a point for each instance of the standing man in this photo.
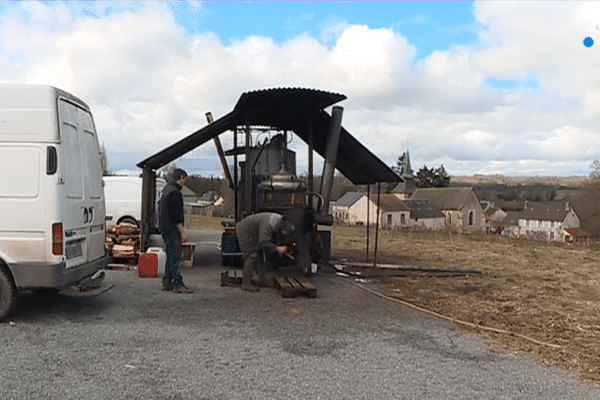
(258, 233)
(170, 225)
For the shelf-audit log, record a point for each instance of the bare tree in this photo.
(595, 166)
(104, 161)
(166, 171)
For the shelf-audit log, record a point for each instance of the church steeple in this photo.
(405, 189)
(406, 169)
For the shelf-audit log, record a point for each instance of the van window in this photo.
(22, 168)
(73, 164)
(94, 168)
(91, 153)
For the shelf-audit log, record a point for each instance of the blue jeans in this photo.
(174, 250)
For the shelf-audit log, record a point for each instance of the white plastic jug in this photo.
(162, 259)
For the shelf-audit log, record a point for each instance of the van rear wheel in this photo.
(8, 293)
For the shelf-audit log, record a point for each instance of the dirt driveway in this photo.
(222, 343)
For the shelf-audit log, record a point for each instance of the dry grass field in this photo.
(549, 293)
(203, 222)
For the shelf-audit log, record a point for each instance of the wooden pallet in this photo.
(294, 287)
(227, 280)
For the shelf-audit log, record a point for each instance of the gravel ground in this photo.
(135, 341)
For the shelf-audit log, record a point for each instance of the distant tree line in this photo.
(432, 178)
(104, 161)
(425, 177)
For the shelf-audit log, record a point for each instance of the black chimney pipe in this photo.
(329, 165)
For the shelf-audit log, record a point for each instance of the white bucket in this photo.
(162, 259)
(314, 268)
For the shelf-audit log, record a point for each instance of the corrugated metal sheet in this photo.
(290, 109)
(295, 100)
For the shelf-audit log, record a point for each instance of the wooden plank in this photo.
(286, 288)
(227, 280)
(291, 287)
(307, 288)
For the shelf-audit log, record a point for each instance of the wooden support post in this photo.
(148, 202)
(310, 161)
(235, 177)
(248, 189)
(377, 223)
(368, 218)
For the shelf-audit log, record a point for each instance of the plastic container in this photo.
(162, 259)
(148, 266)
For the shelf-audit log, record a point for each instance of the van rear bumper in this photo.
(31, 276)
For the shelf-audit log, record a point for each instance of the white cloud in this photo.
(149, 82)
(332, 29)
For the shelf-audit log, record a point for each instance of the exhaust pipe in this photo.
(323, 217)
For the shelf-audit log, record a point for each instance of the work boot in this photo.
(247, 275)
(266, 283)
(262, 276)
(249, 288)
(183, 289)
(167, 286)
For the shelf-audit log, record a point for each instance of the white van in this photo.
(123, 196)
(52, 215)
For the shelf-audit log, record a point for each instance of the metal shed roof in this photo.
(348, 199)
(287, 99)
(292, 109)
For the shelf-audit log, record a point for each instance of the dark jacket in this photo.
(258, 231)
(170, 208)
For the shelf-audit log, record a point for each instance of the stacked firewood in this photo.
(123, 240)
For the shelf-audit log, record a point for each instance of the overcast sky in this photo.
(488, 87)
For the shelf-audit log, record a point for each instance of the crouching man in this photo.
(260, 233)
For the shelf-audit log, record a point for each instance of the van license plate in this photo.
(74, 251)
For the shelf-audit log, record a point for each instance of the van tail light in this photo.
(57, 239)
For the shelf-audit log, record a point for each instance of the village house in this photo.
(425, 216)
(190, 198)
(344, 210)
(394, 213)
(494, 216)
(544, 221)
(210, 198)
(460, 206)
(353, 207)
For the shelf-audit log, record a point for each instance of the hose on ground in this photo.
(450, 319)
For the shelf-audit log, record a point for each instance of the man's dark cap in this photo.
(287, 228)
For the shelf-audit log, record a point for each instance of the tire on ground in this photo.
(8, 292)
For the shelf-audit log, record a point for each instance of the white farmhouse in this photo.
(544, 221)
